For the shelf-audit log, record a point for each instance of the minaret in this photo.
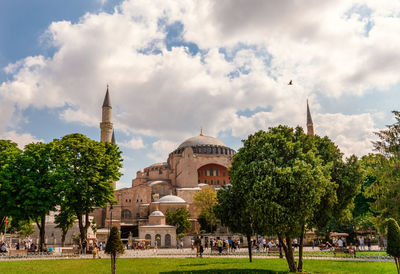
(106, 126)
(310, 125)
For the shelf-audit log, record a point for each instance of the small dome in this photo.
(157, 213)
(202, 141)
(171, 199)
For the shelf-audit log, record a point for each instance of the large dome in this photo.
(201, 141)
(171, 199)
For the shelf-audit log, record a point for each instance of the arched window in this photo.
(148, 237)
(158, 239)
(126, 214)
(167, 240)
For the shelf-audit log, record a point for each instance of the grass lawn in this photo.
(190, 265)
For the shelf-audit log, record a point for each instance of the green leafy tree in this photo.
(9, 153)
(25, 228)
(347, 175)
(38, 193)
(386, 168)
(180, 219)
(285, 179)
(204, 201)
(114, 246)
(393, 240)
(65, 220)
(86, 170)
(234, 209)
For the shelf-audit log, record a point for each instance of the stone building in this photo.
(197, 162)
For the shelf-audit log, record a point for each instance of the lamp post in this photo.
(111, 209)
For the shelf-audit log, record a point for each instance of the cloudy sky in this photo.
(176, 66)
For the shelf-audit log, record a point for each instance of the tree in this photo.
(204, 201)
(393, 240)
(114, 246)
(25, 228)
(386, 168)
(285, 182)
(38, 193)
(180, 219)
(234, 209)
(86, 170)
(9, 152)
(65, 220)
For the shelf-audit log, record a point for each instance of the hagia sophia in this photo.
(198, 162)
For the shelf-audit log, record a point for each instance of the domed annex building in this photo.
(198, 162)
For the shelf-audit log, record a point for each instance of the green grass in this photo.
(191, 265)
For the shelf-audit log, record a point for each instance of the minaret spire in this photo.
(106, 126)
(310, 125)
(113, 138)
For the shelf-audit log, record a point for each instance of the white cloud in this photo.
(160, 150)
(352, 133)
(21, 139)
(134, 143)
(169, 94)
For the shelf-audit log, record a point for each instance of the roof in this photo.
(157, 213)
(113, 138)
(201, 141)
(107, 101)
(158, 182)
(171, 199)
(309, 119)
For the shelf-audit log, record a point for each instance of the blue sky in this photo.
(176, 66)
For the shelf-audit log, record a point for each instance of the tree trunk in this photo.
(249, 247)
(289, 253)
(113, 259)
(42, 232)
(83, 228)
(397, 262)
(63, 235)
(300, 265)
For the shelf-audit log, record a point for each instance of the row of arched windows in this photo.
(158, 239)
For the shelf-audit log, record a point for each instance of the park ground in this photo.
(191, 265)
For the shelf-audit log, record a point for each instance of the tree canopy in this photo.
(86, 170)
(204, 201)
(393, 239)
(180, 219)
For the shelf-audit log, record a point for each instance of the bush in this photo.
(393, 241)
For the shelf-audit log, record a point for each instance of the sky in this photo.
(176, 66)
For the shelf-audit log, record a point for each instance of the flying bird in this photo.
(290, 83)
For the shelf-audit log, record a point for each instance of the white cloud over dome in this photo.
(249, 50)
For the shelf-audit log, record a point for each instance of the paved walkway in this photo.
(191, 253)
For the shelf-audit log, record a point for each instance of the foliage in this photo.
(277, 182)
(386, 168)
(86, 170)
(25, 228)
(37, 185)
(393, 240)
(334, 211)
(114, 246)
(205, 201)
(65, 220)
(9, 152)
(180, 219)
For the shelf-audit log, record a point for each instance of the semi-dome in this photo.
(201, 140)
(157, 213)
(171, 199)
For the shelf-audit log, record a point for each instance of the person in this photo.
(369, 243)
(95, 252)
(351, 250)
(192, 243)
(362, 245)
(230, 244)
(340, 243)
(197, 243)
(201, 250)
(220, 245)
(295, 243)
(17, 246)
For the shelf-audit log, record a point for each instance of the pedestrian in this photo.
(369, 243)
(220, 246)
(201, 250)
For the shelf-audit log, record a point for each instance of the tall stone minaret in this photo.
(106, 126)
(310, 125)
